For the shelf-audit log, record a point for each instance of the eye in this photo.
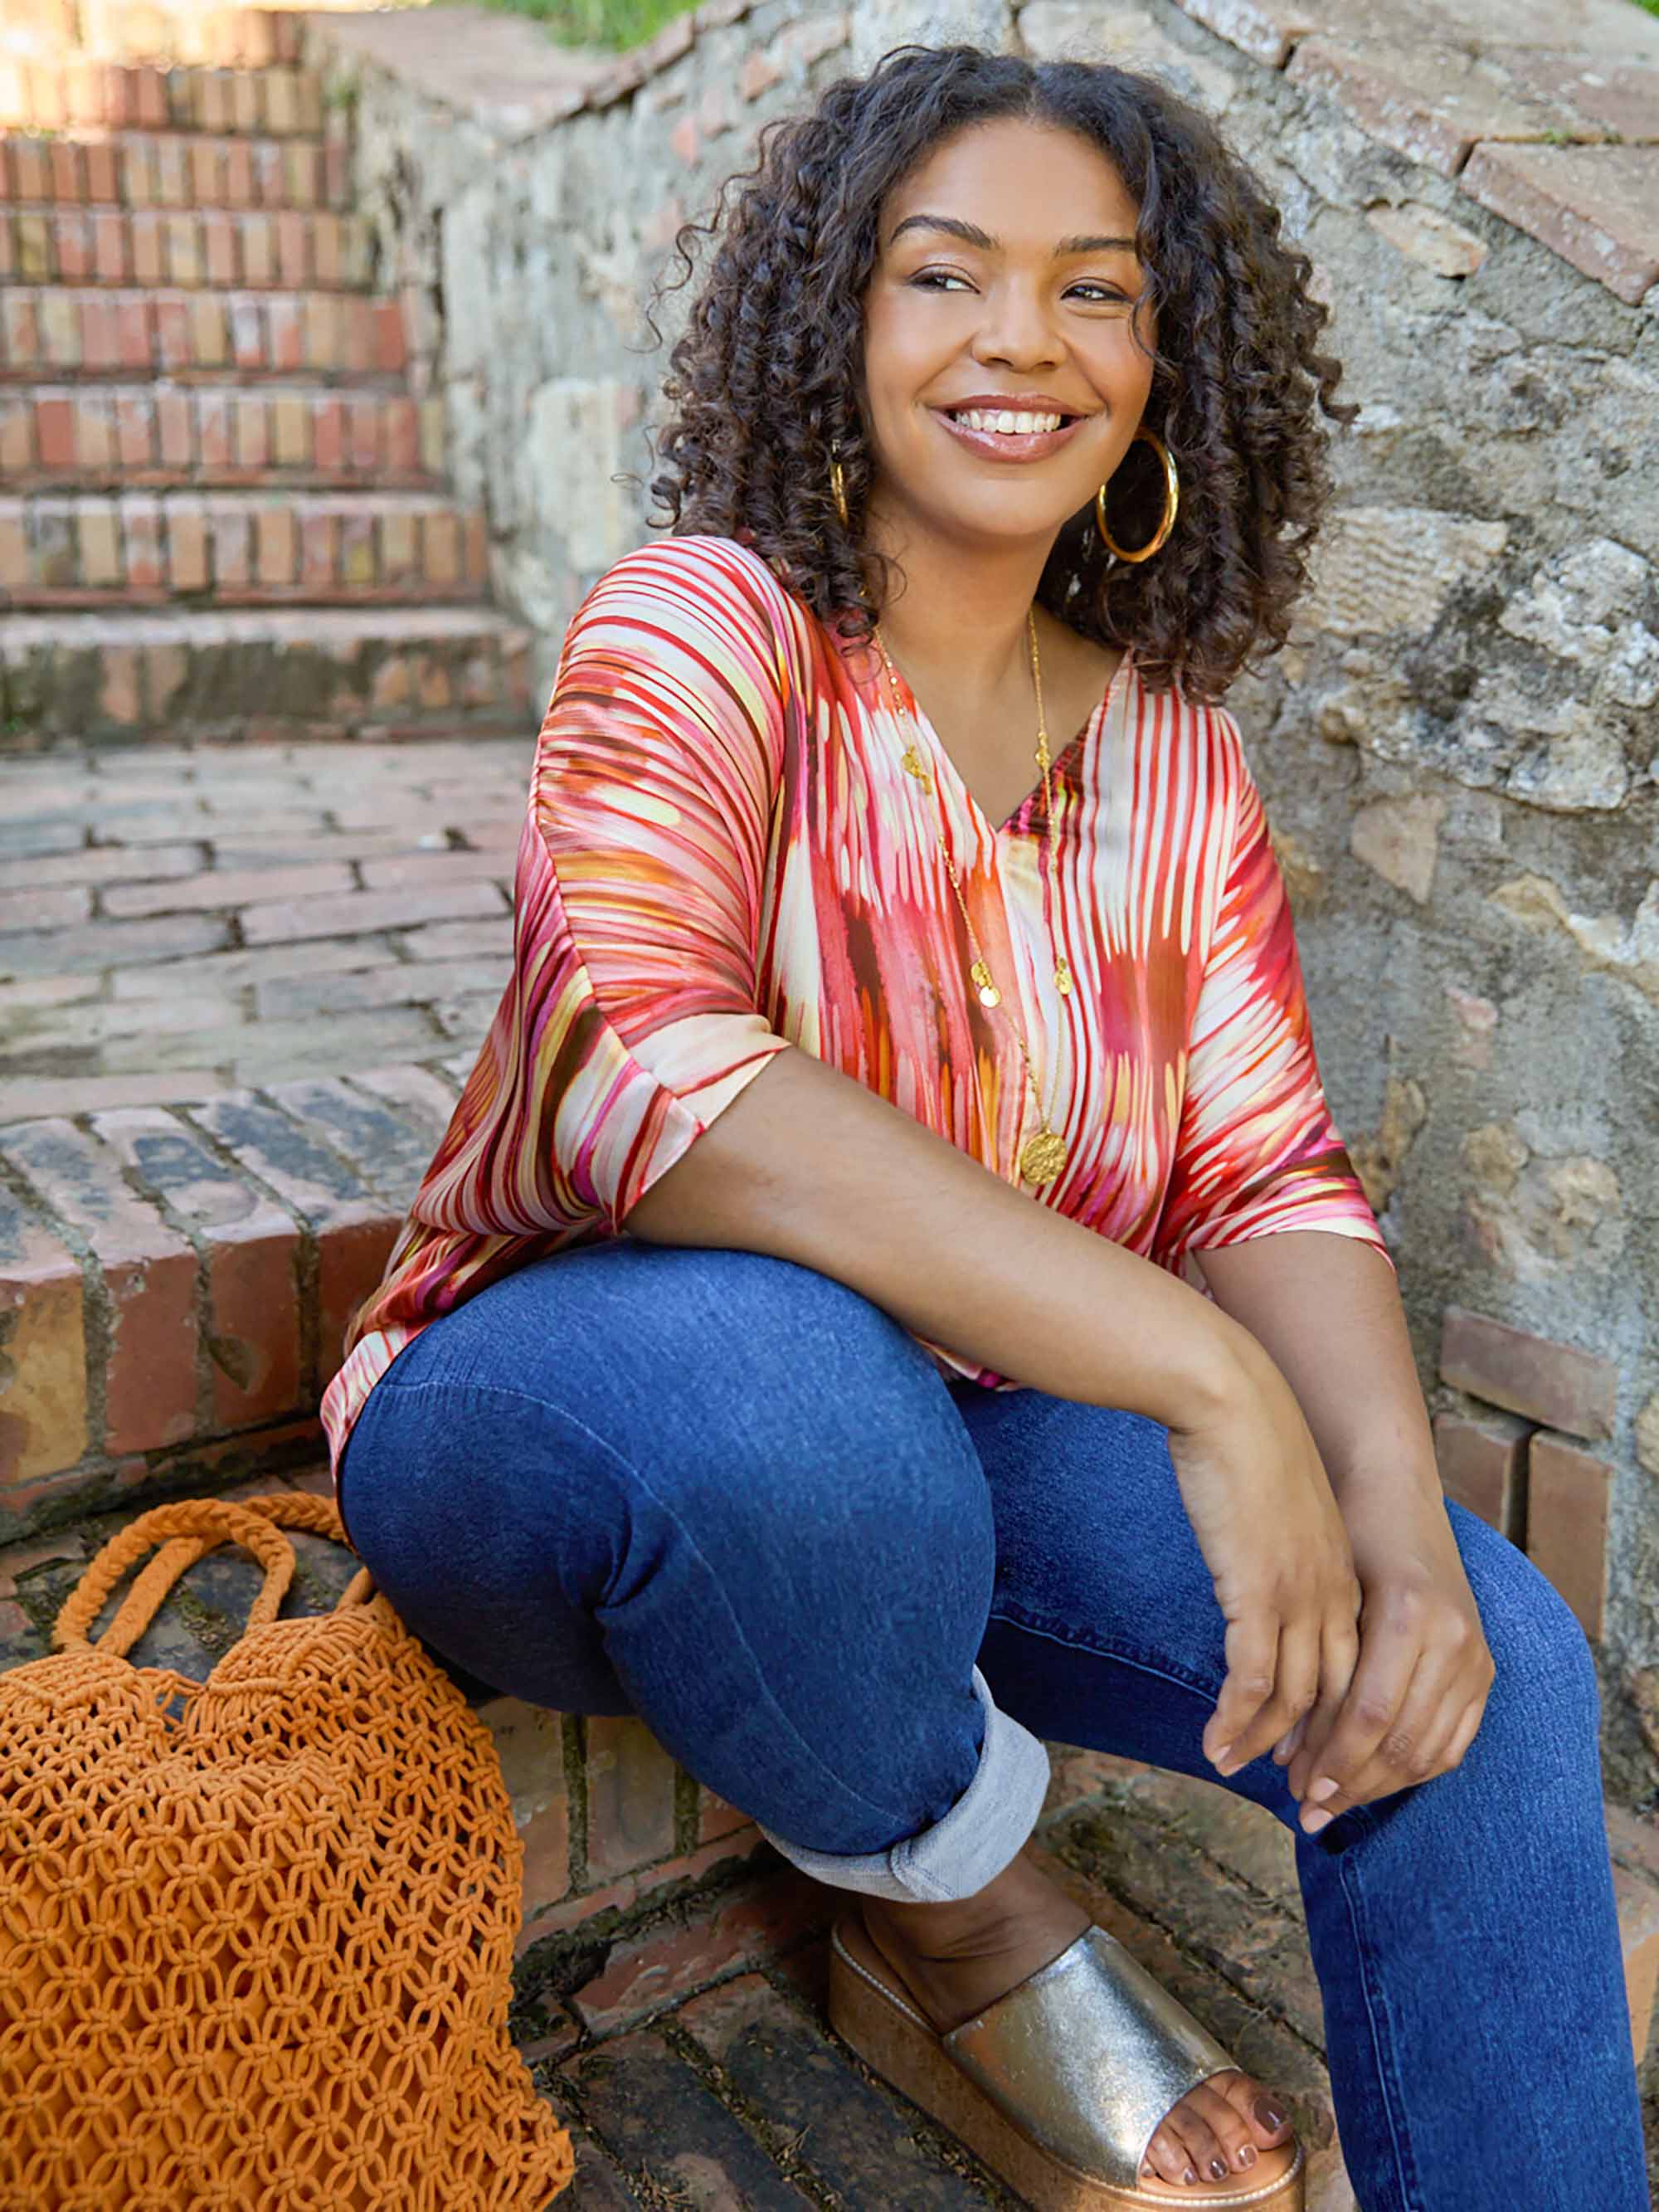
(936, 279)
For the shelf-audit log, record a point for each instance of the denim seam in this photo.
(1013, 1618)
(552, 1406)
(1387, 2072)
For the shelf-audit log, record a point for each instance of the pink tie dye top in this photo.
(722, 856)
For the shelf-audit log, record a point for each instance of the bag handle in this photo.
(199, 1526)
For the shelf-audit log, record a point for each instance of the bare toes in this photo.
(1166, 2159)
(1189, 2122)
(1237, 2152)
(1264, 2113)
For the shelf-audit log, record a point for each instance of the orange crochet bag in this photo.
(256, 1956)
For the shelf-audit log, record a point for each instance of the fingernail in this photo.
(1218, 2169)
(1313, 1822)
(1247, 2155)
(1323, 1788)
(1222, 1756)
(1269, 2115)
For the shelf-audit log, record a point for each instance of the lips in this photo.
(1007, 445)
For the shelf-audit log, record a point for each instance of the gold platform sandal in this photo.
(1061, 2084)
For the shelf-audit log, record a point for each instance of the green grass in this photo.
(616, 25)
(1652, 6)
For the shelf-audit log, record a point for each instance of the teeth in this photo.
(979, 418)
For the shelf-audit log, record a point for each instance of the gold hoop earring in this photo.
(838, 488)
(1171, 500)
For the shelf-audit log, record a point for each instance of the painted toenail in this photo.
(1269, 2115)
(1191, 2174)
(1247, 2155)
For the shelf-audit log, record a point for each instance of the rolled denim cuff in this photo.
(957, 1855)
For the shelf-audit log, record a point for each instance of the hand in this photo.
(1420, 1687)
(1268, 1525)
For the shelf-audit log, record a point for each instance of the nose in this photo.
(1017, 328)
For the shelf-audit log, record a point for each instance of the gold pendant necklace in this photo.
(1042, 1156)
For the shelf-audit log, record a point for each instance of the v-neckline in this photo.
(945, 763)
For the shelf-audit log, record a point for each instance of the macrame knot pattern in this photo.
(256, 1934)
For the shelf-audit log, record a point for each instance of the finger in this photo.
(1437, 1754)
(1296, 1685)
(1400, 1759)
(1467, 1728)
(1419, 1744)
(1341, 1648)
(1388, 1661)
(1251, 1648)
(1285, 1749)
(1465, 1723)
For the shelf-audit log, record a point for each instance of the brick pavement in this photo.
(174, 923)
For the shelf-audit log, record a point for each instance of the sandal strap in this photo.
(1086, 2056)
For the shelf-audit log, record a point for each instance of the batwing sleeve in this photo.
(632, 1020)
(1257, 1149)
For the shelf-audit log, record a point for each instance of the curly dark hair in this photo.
(764, 379)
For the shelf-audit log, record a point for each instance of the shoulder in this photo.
(687, 582)
(1189, 749)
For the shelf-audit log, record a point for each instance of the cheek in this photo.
(1119, 361)
(905, 346)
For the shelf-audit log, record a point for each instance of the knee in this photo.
(800, 1426)
(875, 1460)
(1545, 1684)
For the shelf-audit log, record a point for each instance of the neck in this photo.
(959, 620)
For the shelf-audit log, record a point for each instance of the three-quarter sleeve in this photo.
(632, 1020)
(1256, 1148)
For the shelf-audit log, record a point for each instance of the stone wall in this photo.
(1459, 748)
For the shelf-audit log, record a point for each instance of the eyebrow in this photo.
(971, 234)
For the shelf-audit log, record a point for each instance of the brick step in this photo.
(158, 435)
(238, 547)
(64, 330)
(292, 249)
(44, 95)
(217, 38)
(275, 674)
(176, 169)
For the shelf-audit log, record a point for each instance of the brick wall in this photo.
(1528, 1470)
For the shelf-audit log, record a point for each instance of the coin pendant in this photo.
(1043, 1157)
(914, 765)
(1062, 978)
(989, 994)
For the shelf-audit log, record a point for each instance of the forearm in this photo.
(809, 1165)
(1327, 1310)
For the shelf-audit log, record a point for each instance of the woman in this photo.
(892, 1292)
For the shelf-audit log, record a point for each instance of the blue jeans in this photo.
(733, 1496)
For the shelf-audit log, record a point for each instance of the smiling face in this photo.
(1005, 268)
